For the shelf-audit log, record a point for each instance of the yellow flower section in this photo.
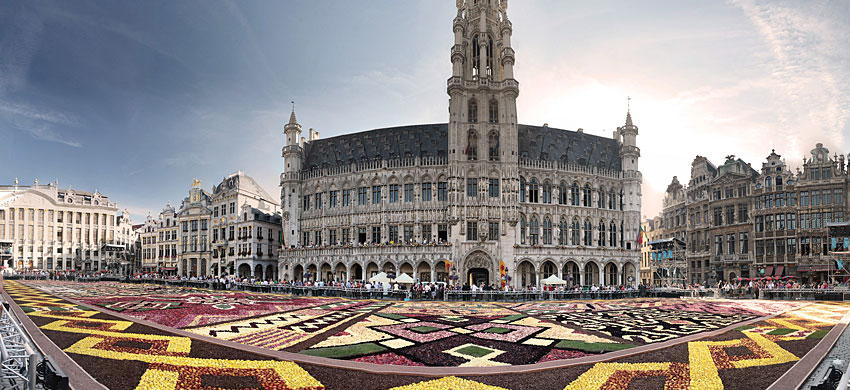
(159, 380)
(448, 383)
(601, 373)
(294, 376)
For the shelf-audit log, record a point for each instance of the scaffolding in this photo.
(17, 358)
(668, 262)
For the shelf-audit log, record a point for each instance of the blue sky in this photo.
(137, 98)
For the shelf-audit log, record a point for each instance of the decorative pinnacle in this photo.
(629, 111)
(292, 120)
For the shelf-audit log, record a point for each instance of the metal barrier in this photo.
(17, 358)
(837, 294)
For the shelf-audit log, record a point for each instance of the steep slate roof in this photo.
(431, 140)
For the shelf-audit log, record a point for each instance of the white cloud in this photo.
(45, 133)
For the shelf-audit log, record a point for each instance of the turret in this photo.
(290, 180)
(292, 151)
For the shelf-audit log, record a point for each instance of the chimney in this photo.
(312, 134)
(302, 142)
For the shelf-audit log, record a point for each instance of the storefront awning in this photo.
(169, 268)
(768, 271)
(779, 269)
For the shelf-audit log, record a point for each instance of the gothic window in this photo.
(533, 230)
(493, 111)
(532, 191)
(562, 194)
(472, 111)
(564, 229)
(601, 201)
(576, 228)
(588, 233)
(471, 146)
(613, 233)
(547, 192)
(522, 189)
(612, 200)
(622, 236)
(574, 194)
(494, 146)
(547, 230)
(601, 233)
(586, 196)
(522, 229)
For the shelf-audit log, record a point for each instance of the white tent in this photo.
(381, 277)
(404, 279)
(554, 279)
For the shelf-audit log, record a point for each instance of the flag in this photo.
(502, 272)
(448, 265)
(467, 149)
(641, 233)
(282, 241)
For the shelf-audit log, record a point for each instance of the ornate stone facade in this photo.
(50, 228)
(458, 198)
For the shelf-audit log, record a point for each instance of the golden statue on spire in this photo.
(196, 183)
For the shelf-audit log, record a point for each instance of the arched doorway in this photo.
(244, 270)
(407, 268)
(258, 272)
(527, 275)
(478, 268)
(571, 274)
(732, 276)
(549, 269)
(270, 272)
(340, 272)
(371, 270)
(591, 274)
(423, 272)
(442, 271)
(203, 268)
(356, 272)
(310, 275)
(630, 275)
(326, 274)
(611, 278)
(298, 273)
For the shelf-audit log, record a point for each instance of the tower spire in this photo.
(292, 116)
(629, 111)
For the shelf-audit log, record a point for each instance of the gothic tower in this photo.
(290, 181)
(631, 201)
(482, 128)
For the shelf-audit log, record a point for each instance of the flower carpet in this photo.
(123, 354)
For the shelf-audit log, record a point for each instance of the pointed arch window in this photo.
(533, 191)
(533, 230)
(522, 229)
(613, 233)
(601, 201)
(547, 230)
(471, 146)
(622, 235)
(547, 192)
(563, 231)
(588, 232)
(601, 233)
(562, 194)
(612, 200)
(522, 189)
(493, 144)
(586, 196)
(575, 232)
(574, 194)
(472, 111)
(493, 111)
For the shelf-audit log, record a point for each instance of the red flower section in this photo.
(388, 358)
(561, 354)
